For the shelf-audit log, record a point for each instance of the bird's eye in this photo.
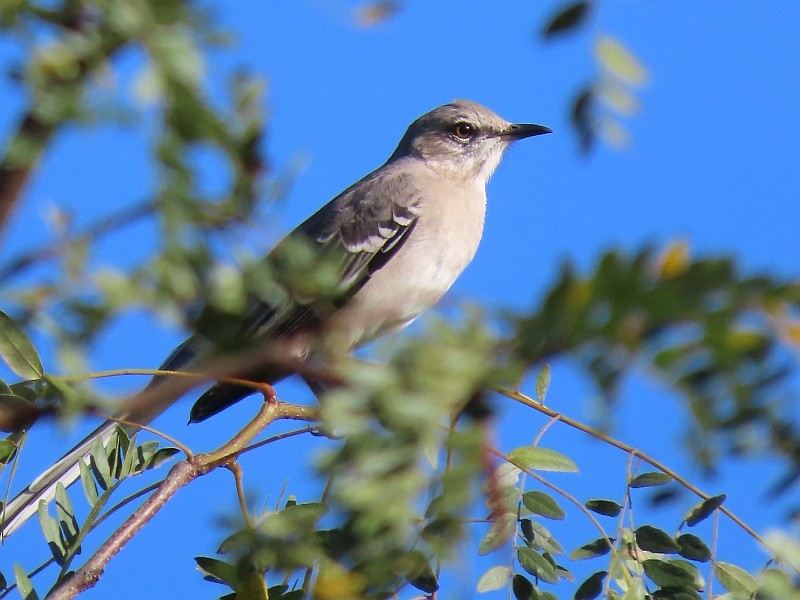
(463, 131)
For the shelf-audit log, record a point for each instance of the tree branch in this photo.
(179, 476)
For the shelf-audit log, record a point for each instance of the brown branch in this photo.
(531, 403)
(15, 171)
(179, 476)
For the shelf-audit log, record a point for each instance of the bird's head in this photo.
(463, 139)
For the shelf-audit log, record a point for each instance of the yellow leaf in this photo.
(675, 259)
(618, 61)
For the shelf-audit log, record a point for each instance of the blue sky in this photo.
(714, 159)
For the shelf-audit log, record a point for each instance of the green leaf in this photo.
(655, 540)
(51, 533)
(666, 574)
(735, 579)
(523, 588)
(16, 412)
(704, 509)
(543, 382)
(538, 536)
(542, 504)
(24, 585)
(650, 479)
(536, 564)
(494, 579)
(542, 459)
(7, 451)
(161, 456)
(98, 461)
(499, 533)
(87, 481)
(609, 508)
(417, 570)
(566, 19)
(618, 60)
(18, 351)
(592, 587)
(66, 515)
(598, 547)
(693, 548)
(218, 570)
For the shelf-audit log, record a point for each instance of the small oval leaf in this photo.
(494, 579)
(542, 459)
(592, 587)
(537, 565)
(17, 350)
(619, 62)
(666, 574)
(704, 510)
(653, 539)
(542, 504)
(609, 508)
(566, 19)
(650, 479)
(735, 579)
(598, 547)
(693, 548)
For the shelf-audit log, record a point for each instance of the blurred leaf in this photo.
(704, 509)
(583, 118)
(543, 382)
(537, 565)
(735, 579)
(542, 459)
(609, 508)
(501, 531)
(494, 579)
(17, 350)
(375, 13)
(16, 412)
(7, 451)
(618, 61)
(592, 587)
(567, 19)
(542, 504)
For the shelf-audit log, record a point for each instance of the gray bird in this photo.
(400, 236)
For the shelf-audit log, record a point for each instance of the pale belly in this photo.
(413, 280)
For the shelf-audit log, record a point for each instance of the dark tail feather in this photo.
(217, 399)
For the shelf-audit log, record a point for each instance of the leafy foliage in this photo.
(410, 445)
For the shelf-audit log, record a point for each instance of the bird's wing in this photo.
(358, 231)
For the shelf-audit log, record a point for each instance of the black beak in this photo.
(517, 131)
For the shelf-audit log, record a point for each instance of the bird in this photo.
(399, 237)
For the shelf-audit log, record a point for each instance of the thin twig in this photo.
(531, 403)
(236, 469)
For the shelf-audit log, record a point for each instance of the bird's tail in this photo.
(65, 471)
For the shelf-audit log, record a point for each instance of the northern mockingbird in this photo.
(400, 237)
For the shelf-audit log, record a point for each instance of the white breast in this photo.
(441, 245)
